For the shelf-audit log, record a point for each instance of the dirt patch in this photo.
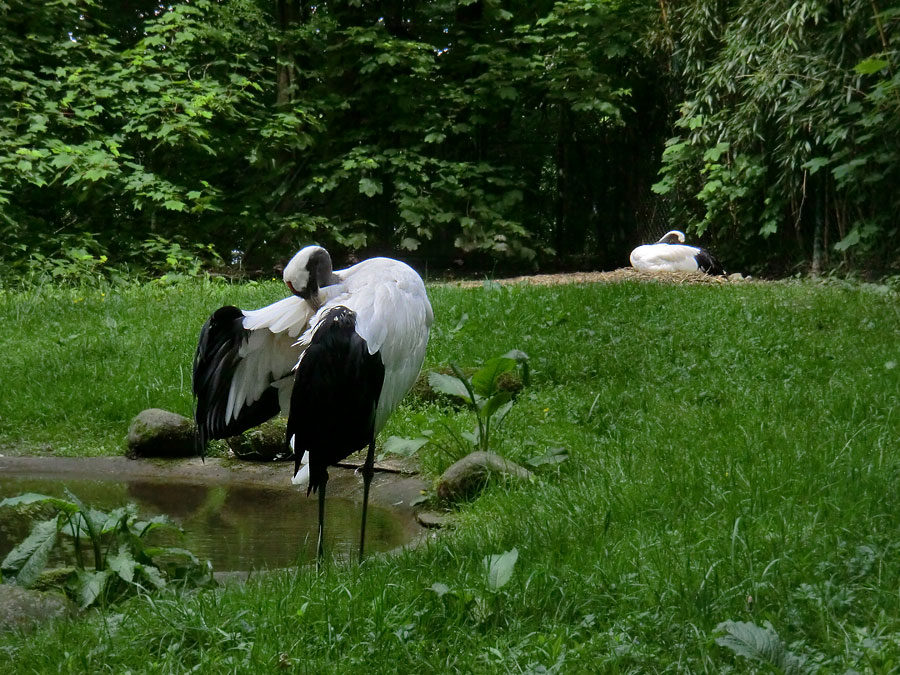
(621, 274)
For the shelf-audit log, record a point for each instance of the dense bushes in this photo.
(488, 131)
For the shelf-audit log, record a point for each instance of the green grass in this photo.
(733, 456)
(86, 361)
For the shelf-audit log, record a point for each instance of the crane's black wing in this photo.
(217, 360)
(336, 389)
(707, 262)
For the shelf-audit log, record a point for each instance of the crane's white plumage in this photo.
(338, 331)
(393, 317)
(671, 254)
(360, 355)
(244, 359)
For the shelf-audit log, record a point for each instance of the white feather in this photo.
(665, 258)
(393, 316)
(265, 356)
(302, 475)
(290, 313)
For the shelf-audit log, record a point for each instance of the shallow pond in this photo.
(236, 526)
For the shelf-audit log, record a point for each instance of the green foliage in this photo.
(145, 128)
(488, 132)
(419, 127)
(169, 260)
(78, 260)
(787, 131)
(403, 447)
(500, 568)
(551, 457)
(123, 560)
(743, 473)
(483, 395)
(483, 604)
(761, 645)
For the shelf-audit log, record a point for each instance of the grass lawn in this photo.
(733, 457)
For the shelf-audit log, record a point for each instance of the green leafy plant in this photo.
(73, 260)
(487, 394)
(551, 457)
(761, 645)
(483, 395)
(174, 258)
(112, 557)
(499, 568)
(809, 154)
(483, 604)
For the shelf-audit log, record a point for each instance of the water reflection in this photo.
(236, 527)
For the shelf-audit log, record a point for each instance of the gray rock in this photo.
(466, 477)
(22, 608)
(160, 433)
(430, 519)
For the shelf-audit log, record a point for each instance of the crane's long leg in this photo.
(368, 471)
(321, 548)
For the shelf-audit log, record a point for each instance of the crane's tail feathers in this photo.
(301, 477)
(301, 463)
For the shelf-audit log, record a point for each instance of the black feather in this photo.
(215, 361)
(336, 391)
(707, 262)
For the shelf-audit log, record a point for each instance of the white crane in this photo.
(670, 254)
(356, 339)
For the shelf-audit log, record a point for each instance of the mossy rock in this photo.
(53, 579)
(466, 477)
(25, 609)
(159, 433)
(264, 443)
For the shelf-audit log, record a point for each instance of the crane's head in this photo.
(670, 237)
(307, 272)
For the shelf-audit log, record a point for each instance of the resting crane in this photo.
(671, 254)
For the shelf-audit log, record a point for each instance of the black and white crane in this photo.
(671, 254)
(244, 362)
(338, 356)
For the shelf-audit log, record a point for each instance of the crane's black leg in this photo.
(368, 471)
(320, 556)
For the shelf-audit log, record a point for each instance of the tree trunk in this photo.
(818, 232)
(288, 14)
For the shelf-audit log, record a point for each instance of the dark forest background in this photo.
(138, 136)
